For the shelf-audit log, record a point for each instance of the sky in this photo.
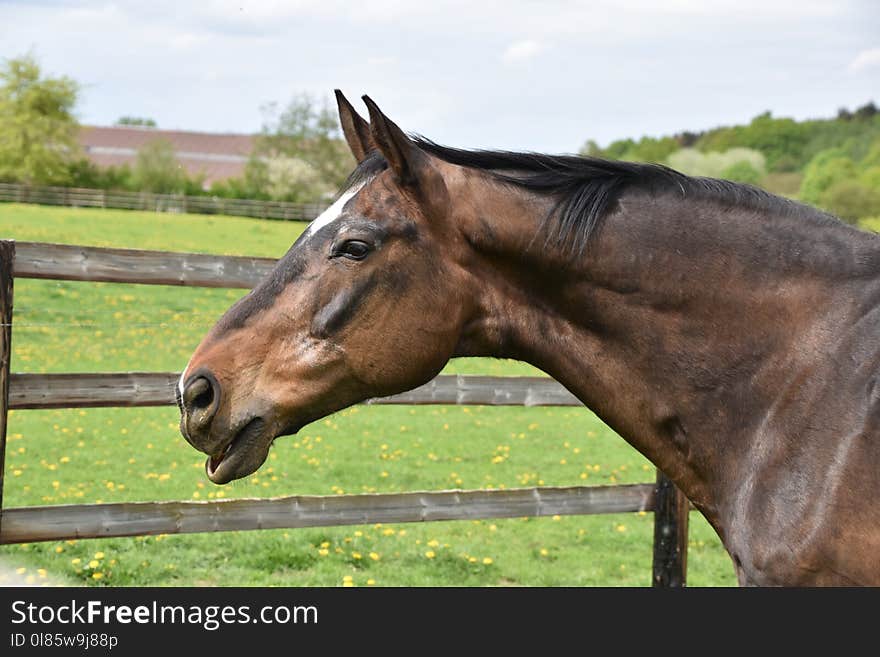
(513, 74)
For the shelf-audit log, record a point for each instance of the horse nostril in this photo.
(198, 394)
(200, 397)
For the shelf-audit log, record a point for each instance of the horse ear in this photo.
(355, 129)
(400, 152)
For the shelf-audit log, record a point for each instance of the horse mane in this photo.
(586, 188)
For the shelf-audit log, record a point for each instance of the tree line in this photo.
(832, 163)
(299, 155)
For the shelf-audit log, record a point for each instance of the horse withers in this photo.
(730, 335)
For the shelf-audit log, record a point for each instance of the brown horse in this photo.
(731, 336)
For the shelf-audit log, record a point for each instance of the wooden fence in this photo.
(79, 197)
(33, 391)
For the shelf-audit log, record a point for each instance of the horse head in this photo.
(369, 301)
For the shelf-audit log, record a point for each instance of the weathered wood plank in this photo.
(671, 510)
(90, 390)
(486, 391)
(7, 257)
(86, 263)
(157, 389)
(49, 523)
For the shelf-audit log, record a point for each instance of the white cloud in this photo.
(521, 51)
(381, 61)
(661, 67)
(866, 59)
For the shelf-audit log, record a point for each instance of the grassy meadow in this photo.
(113, 455)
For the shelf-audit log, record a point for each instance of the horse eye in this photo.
(354, 249)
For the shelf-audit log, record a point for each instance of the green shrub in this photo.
(825, 170)
(850, 200)
(715, 164)
(742, 171)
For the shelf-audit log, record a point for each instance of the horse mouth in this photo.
(241, 456)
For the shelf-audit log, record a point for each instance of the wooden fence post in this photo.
(671, 509)
(7, 256)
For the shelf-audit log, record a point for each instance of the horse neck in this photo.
(670, 326)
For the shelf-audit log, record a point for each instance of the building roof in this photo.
(216, 156)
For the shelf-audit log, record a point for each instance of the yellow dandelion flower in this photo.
(371, 582)
(323, 552)
(325, 544)
(75, 561)
(487, 561)
(544, 552)
(97, 575)
(433, 543)
(621, 528)
(94, 563)
(21, 571)
(430, 554)
(355, 555)
(41, 572)
(99, 555)
(358, 533)
(59, 549)
(374, 556)
(557, 517)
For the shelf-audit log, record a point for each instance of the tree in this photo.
(866, 111)
(591, 149)
(825, 170)
(743, 172)
(137, 121)
(850, 200)
(157, 169)
(38, 132)
(305, 132)
(741, 164)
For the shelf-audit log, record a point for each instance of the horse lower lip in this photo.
(214, 461)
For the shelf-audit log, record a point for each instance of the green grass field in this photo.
(113, 455)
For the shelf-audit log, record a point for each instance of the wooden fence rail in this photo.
(88, 263)
(31, 391)
(124, 200)
(82, 390)
(73, 521)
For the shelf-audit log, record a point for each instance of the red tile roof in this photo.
(216, 156)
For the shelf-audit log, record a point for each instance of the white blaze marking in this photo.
(327, 216)
(333, 212)
(182, 377)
